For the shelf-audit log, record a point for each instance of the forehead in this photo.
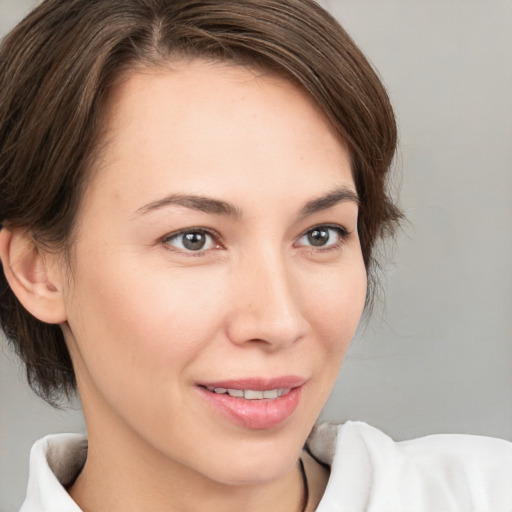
(205, 125)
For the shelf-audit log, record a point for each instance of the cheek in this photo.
(336, 303)
(334, 310)
(139, 330)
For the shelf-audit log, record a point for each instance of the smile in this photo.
(254, 403)
(251, 394)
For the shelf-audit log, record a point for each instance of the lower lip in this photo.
(255, 414)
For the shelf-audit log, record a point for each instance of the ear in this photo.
(33, 275)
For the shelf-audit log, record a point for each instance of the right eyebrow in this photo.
(194, 202)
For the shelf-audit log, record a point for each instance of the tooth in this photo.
(249, 394)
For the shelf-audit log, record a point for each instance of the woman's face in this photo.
(216, 249)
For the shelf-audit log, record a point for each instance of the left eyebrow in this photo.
(338, 195)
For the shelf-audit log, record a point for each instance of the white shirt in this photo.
(369, 472)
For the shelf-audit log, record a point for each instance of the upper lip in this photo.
(257, 383)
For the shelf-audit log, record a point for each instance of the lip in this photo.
(255, 414)
(257, 383)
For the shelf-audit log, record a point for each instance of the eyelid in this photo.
(342, 232)
(175, 234)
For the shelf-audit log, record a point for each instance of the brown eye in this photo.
(323, 237)
(194, 241)
(318, 237)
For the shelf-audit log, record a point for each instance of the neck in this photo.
(124, 473)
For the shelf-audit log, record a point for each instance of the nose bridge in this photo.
(268, 302)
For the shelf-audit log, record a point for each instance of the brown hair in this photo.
(59, 64)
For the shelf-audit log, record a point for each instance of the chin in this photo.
(250, 472)
(252, 463)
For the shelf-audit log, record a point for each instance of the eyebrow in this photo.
(218, 207)
(201, 203)
(338, 195)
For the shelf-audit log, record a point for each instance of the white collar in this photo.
(56, 460)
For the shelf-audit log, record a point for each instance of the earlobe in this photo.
(29, 272)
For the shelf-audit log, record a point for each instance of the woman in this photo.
(192, 192)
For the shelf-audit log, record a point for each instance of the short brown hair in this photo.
(59, 64)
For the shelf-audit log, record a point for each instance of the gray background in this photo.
(437, 356)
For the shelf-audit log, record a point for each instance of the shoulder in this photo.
(370, 471)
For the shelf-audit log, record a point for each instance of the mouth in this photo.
(251, 394)
(254, 403)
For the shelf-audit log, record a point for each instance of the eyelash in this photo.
(175, 236)
(342, 233)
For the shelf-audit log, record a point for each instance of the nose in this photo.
(267, 306)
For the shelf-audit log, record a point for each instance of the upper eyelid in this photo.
(214, 233)
(196, 229)
(341, 230)
(337, 227)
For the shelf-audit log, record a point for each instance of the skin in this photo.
(146, 319)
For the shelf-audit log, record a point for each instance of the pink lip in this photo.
(255, 414)
(257, 383)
